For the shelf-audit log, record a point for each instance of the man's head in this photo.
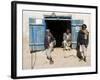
(84, 26)
(67, 31)
(47, 31)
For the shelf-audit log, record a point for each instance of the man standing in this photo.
(67, 40)
(82, 41)
(49, 44)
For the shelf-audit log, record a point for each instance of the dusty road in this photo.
(62, 59)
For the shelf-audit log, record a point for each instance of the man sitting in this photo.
(67, 40)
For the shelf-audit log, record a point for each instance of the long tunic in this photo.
(83, 38)
(48, 39)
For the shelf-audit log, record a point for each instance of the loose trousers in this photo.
(83, 50)
(49, 50)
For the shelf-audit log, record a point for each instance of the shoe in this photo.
(80, 59)
(84, 59)
(51, 61)
(48, 58)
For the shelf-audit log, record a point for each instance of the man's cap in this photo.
(47, 30)
(84, 26)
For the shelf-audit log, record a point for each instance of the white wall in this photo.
(5, 40)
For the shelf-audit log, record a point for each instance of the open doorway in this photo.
(57, 28)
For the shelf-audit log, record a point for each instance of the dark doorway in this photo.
(57, 28)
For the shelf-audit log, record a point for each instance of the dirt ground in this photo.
(62, 59)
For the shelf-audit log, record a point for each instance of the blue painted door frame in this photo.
(36, 34)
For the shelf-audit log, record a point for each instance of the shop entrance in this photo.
(57, 28)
